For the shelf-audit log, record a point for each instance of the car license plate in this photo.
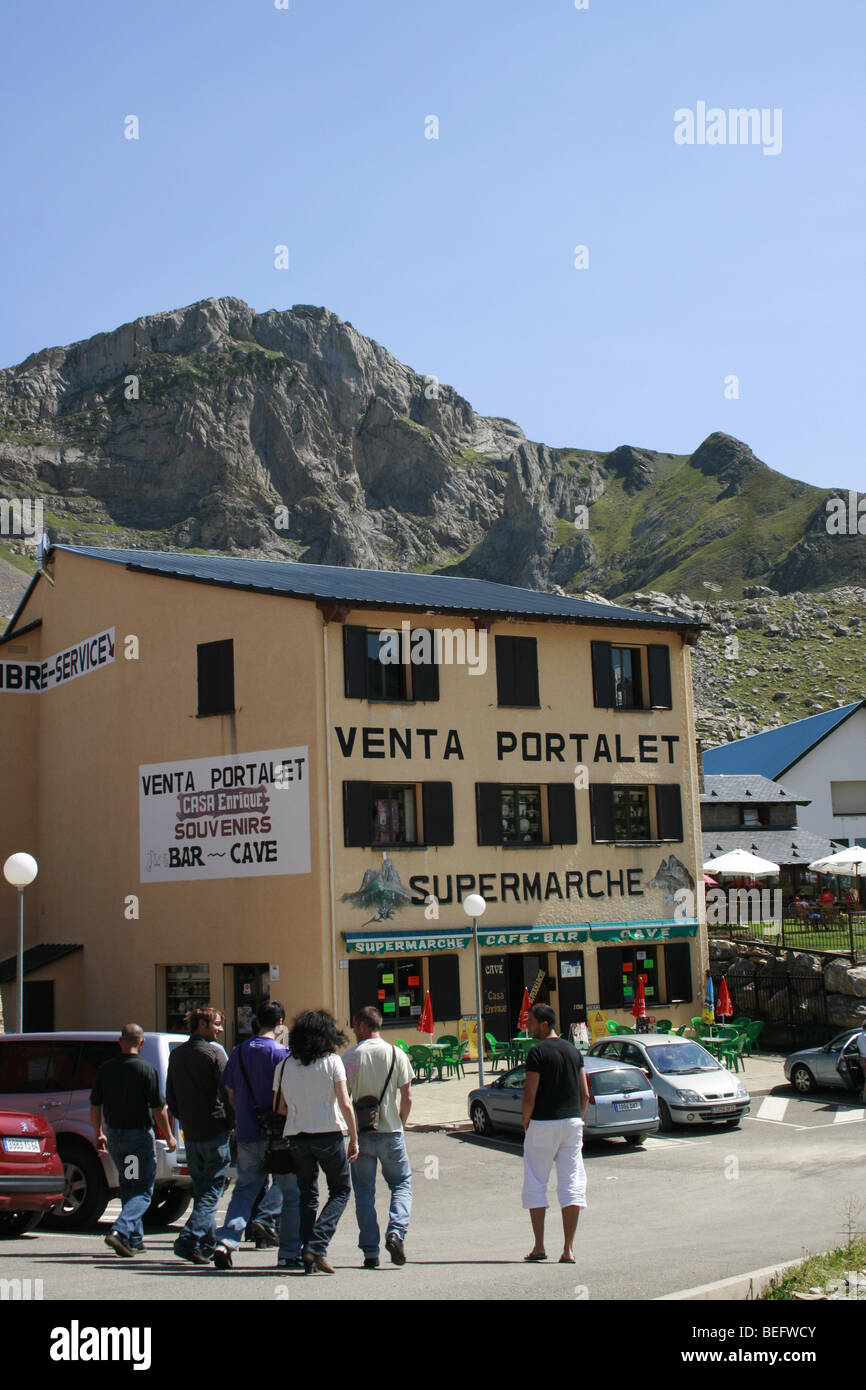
(725, 1109)
(627, 1105)
(21, 1146)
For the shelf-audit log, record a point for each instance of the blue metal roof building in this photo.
(774, 752)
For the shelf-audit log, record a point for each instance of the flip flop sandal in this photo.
(533, 1259)
(564, 1260)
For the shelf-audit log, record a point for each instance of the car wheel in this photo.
(666, 1124)
(168, 1205)
(635, 1139)
(17, 1223)
(802, 1079)
(85, 1193)
(480, 1119)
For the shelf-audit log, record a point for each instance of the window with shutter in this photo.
(562, 813)
(425, 675)
(602, 676)
(216, 678)
(678, 969)
(601, 812)
(437, 802)
(488, 803)
(517, 671)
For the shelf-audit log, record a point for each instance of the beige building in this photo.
(243, 778)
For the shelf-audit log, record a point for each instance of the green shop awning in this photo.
(533, 936)
(644, 931)
(405, 943)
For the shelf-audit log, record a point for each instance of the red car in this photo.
(31, 1172)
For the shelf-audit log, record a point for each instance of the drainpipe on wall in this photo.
(330, 819)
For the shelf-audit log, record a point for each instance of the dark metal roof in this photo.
(722, 789)
(374, 588)
(787, 845)
(34, 959)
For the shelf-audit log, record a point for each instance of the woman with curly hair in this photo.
(319, 1115)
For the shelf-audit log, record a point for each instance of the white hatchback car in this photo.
(691, 1086)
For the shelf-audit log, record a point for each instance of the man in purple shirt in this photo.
(249, 1081)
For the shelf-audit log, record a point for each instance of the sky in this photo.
(432, 169)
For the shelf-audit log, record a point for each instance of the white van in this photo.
(52, 1074)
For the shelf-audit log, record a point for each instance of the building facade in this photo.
(244, 778)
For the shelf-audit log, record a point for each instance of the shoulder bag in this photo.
(278, 1154)
(367, 1107)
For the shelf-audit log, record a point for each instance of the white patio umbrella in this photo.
(850, 862)
(740, 861)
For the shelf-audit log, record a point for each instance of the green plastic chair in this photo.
(681, 1030)
(422, 1061)
(398, 1042)
(624, 1028)
(752, 1033)
(663, 1025)
(452, 1059)
(697, 1025)
(731, 1052)
(612, 1027)
(449, 1038)
(499, 1051)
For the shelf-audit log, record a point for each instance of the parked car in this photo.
(620, 1102)
(51, 1075)
(837, 1063)
(31, 1173)
(691, 1086)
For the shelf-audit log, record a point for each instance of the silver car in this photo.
(51, 1074)
(621, 1103)
(692, 1087)
(837, 1063)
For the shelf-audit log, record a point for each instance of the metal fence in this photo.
(841, 936)
(793, 1007)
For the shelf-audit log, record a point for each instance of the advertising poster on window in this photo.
(246, 815)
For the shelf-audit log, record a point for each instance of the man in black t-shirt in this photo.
(126, 1090)
(554, 1102)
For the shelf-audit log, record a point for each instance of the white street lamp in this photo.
(20, 870)
(475, 907)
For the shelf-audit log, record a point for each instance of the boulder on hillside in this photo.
(842, 1012)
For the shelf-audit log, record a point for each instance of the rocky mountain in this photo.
(290, 433)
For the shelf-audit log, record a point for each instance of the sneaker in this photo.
(140, 1248)
(265, 1233)
(394, 1246)
(371, 1261)
(222, 1257)
(119, 1244)
(296, 1265)
(185, 1251)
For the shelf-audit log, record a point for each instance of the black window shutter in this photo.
(437, 801)
(363, 985)
(445, 987)
(669, 811)
(355, 661)
(609, 960)
(356, 813)
(506, 683)
(678, 969)
(561, 813)
(602, 676)
(488, 801)
(425, 679)
(659, 659)
(526, 671)
(216, 677)
(601, 811)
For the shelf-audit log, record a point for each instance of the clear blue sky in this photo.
(305, 126)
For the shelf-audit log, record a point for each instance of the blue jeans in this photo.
(279, 1202)
(378, 1146)
(133, 1154)
(208, 1161)
(328, 1152)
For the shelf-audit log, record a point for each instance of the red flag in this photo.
(426, 1024)
(523, 1018)
(638, 1008)
(724, 1007)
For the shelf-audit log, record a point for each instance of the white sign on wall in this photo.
(79, 660)
(241, 816)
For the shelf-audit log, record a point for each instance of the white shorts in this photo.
(548, 1142)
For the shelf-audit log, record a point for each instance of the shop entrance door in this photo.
(526, 972)
(252, 987)
(572, 992)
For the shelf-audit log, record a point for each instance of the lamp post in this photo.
(20, 870)
(475, 907)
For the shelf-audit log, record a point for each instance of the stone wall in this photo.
(746, 961)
